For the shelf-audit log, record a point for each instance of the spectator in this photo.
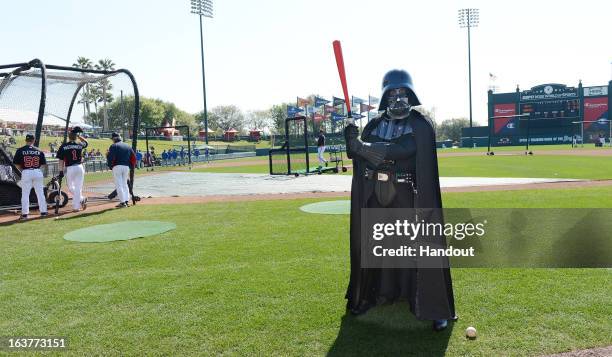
(196, 153)
(164, 158)
(138, 159)
(182, 155)
(174, 157)
(206, 155)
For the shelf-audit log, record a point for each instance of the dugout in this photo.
(47, 94)
(255, 135)
(549, 114)
(230, 134)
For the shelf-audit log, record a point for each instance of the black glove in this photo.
(61, 174)
(351, 135)
(351, 132)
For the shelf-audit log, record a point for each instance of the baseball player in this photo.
(121, 158)
(70, 155)
(321, 148)
(29, 159)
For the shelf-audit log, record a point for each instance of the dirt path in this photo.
(531, 186)
(591, 352)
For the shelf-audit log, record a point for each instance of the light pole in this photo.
(203, 8)
(469, 18)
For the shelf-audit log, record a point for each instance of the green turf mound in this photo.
(119, 231)
(328, 207)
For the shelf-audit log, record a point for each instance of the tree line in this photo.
(101, 108)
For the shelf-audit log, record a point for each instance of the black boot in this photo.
(439, 325)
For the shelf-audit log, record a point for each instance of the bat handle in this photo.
(349, 119)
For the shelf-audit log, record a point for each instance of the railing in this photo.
(95, 165)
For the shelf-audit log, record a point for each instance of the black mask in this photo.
(398, 105)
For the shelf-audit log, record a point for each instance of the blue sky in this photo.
(259, 53)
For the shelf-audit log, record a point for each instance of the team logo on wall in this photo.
(548, 90)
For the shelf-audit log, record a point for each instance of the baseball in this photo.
(470, 332)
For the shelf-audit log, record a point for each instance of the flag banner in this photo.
(357, 100)
(318, 101)
(310, 109)
(337, 101)
(373, 100)
(357, 116)
(318, 117)
(292, 111)
(337, 117)
(330, 109)
(365, 108)
(302, 102)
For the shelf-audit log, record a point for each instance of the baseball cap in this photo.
(29, 137)
(115, 135)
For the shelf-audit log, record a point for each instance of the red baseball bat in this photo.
(342, 73)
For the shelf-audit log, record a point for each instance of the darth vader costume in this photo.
(395, 166)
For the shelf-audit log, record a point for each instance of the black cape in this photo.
(428, 290)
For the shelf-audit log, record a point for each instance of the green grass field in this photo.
(561, 166)
(241, 281)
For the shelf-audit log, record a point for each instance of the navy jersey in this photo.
(71, 153)
(29, 157)
(321, 140)
(121, 154)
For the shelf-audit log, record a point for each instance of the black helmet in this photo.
(397, 78)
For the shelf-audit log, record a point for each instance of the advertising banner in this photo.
(595, 108)
(504, 121)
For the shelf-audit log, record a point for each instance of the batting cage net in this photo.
(48, 101)
(292, 158)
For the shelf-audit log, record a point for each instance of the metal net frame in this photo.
(45, 95)
(292, 158)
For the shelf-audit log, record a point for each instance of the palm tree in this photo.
(104, 85)
(84, 63)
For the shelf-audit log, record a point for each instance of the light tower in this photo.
(203, 8)
(469, 18)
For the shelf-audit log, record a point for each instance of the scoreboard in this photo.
(549, 114)
(552, 109)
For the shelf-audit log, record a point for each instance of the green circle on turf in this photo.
(119, 231)
(328, 207)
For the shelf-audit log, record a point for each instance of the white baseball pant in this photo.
(121, 174)
(321, 151)
(75, 175)
(32, 178)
